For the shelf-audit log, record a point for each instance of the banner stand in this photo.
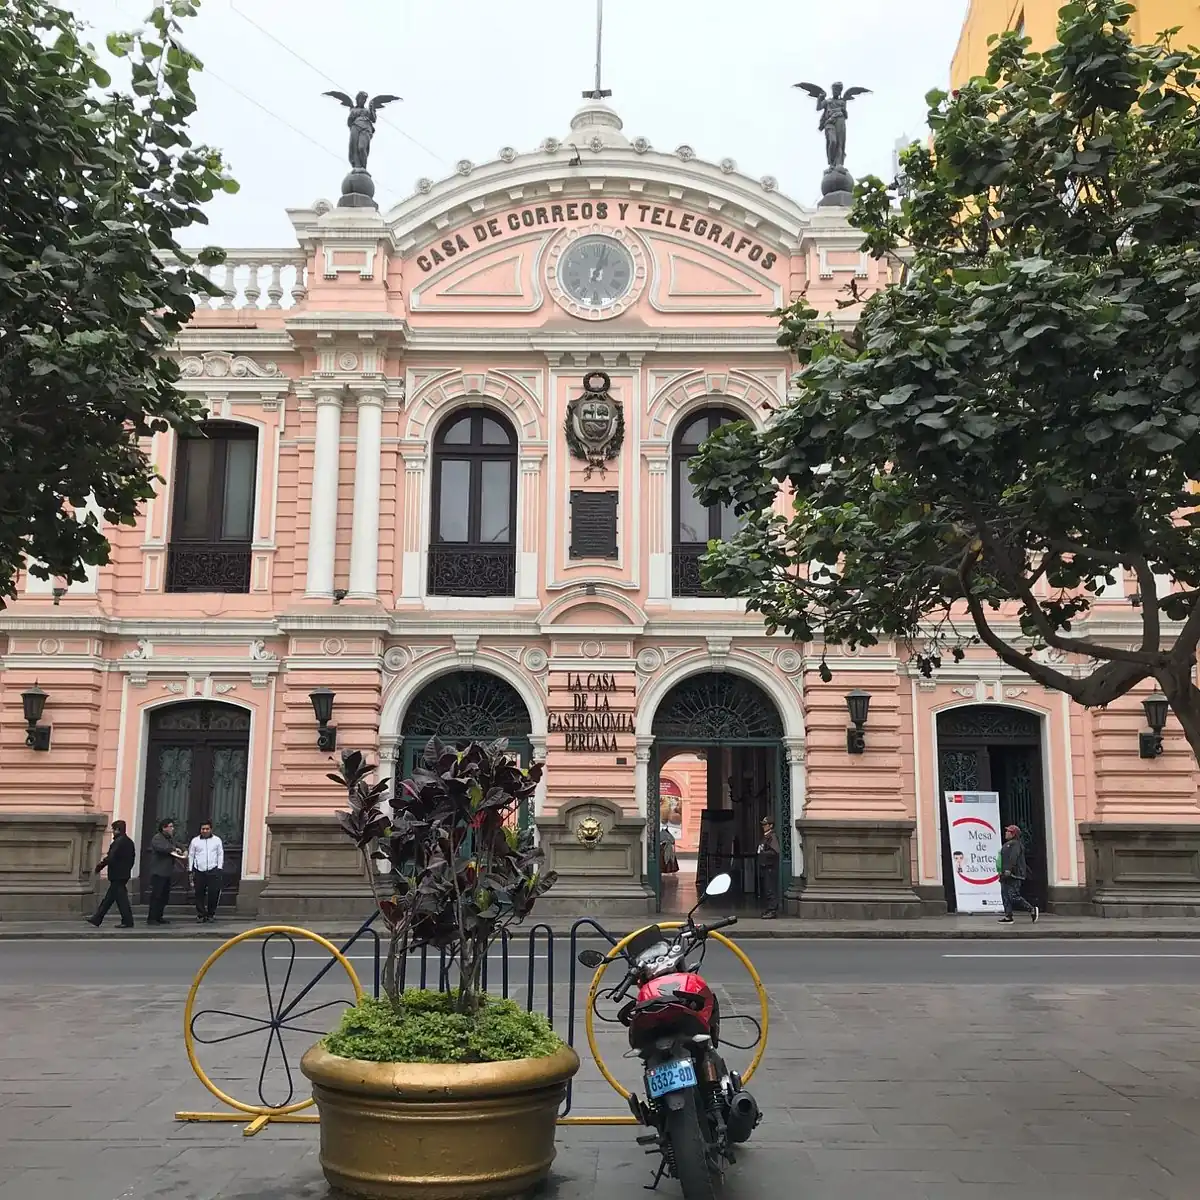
(973, 820)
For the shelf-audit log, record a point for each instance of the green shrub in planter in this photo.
(424, 1027)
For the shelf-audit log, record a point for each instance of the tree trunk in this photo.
(1184, 698)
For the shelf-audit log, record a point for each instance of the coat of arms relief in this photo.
(595, 424)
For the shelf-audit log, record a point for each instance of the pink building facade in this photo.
(408, 496)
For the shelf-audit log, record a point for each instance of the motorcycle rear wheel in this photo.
(685, 1128)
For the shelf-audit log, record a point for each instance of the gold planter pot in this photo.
(416, 1131)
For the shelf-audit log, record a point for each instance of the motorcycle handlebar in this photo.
(723, 923)
(701, 930)
(623, 990)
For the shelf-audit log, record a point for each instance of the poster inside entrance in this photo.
(973, 819)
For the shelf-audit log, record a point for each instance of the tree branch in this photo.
(1148, 587)
(1189, 635)
(1069, 645)
(1078, 550)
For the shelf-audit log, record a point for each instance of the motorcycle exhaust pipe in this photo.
(743, 1117)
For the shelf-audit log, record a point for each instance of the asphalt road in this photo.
(1072, 962)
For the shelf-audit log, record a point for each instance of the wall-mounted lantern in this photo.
(859, 704)
(33, 703)
(322, 702)
(1150, 745)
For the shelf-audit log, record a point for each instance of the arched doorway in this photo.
(196, 764)
(734, 727)
(996, 748)
(462, 707)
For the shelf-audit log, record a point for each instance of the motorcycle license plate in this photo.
(671, 1077)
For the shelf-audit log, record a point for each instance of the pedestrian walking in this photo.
(119, 864)
(163, 856)
(768, 869)
(206, 861)
(1013, 872)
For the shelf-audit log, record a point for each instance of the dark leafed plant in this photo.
(445, 866)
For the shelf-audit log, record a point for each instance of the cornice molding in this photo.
(613, 170)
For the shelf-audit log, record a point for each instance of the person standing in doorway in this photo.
(1013, 873)
(119, 863)
(206, 861)
(163, 856)
(768, 869)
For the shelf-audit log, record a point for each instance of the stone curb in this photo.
(1043, 931)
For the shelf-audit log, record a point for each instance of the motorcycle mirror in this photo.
(591, 959)
(718, 885)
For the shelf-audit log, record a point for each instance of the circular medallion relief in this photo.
(536, 659)
(590, 649)
(649, 660)
(595, 272)
(396, 658)
(789, 661)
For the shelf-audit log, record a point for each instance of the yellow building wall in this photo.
(985, 17)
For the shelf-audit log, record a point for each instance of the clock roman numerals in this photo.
(596, 271)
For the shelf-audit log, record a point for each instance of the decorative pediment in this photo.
(502, 279)
(607, 609)
(218, 365)
(675, 393)
(689, 277)
(698, 278)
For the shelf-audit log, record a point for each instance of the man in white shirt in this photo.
(206, 861)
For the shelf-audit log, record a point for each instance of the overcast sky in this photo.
(477, 75)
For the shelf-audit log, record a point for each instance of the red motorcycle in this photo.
(696, 1107)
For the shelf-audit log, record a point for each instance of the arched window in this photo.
(212, 518)
(473, 542)
(693, 525)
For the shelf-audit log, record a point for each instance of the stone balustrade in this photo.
(250, 279)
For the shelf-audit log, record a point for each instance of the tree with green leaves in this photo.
(94, 186)
(1017, 420)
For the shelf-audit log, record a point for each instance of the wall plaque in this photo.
(593, 524)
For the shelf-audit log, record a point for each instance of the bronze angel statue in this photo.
(833, 112)
(361, 122)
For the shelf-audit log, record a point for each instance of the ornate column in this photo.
(641, 784)
(658, 525)
(538, 746)
(794, 752)
(364, 537)
(413, 520)
(529, 499)
(322, 527)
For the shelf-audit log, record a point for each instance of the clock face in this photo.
(596, 272)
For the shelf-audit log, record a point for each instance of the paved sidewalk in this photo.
(880, 1092)
(979, 926)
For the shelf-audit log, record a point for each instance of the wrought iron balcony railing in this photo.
(472, 571)
(208, 567)
(685, 571)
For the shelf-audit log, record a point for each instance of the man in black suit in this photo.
(163, 856)
(119, 861)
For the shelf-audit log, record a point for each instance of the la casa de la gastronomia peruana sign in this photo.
(591, 724)
(626, 212)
